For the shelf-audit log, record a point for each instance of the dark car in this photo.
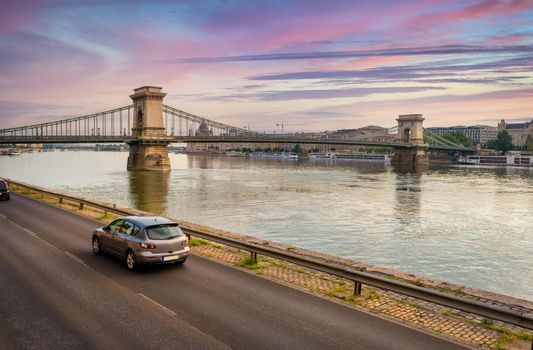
(142, 240)
(4, 190)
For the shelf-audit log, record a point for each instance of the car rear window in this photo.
(164, 231)
(3, 185)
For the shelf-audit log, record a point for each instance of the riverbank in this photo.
(458, 325)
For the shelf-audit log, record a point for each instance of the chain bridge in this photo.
(149, 126)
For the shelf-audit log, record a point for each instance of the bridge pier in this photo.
(148, 150)
(411, 131)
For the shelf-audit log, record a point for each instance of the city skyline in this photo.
(311, 65)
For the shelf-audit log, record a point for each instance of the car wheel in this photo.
(96, 246)
(181, 262)
(131, 262)
(7, 198)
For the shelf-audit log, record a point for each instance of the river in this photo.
(467, 225)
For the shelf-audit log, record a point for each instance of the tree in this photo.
(297, 149)
(529, 143)
(503, 142)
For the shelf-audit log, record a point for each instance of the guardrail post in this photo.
(60, 200)
(357, 286)
(81, 206)
(253, 257)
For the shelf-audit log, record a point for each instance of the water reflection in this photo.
(149, 190)
(408, 193)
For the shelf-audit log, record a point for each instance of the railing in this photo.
(484, 309)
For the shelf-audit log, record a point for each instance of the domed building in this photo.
(203, 130)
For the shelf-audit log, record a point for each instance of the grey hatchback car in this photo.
(142, 240)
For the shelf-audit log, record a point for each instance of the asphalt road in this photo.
(55, 294)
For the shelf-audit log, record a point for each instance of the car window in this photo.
(127, 228)
(136, 230)
(165, 231)
(3, 185)
(116, 225)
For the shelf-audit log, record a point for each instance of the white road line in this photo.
(156, 303)
(75, 257)
(30, 232)
(2, 216)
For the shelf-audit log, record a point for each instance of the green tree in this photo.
(503, 142)
(529, 143)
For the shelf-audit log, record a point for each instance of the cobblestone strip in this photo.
(454, 324)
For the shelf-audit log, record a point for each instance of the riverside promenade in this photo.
(441, 322)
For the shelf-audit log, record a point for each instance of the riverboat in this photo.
(507, 160)
(275, 155)
(358, 157)
(11, 152)
(235, 154)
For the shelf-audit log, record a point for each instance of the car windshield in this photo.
(166, 231)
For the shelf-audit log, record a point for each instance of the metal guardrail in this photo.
(484, 309)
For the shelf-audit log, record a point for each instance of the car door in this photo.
(123, 236)
(109, 238)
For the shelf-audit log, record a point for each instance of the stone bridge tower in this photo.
(148, 149)
(411, 133)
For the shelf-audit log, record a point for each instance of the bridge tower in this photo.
(148, 149)
(411, 133)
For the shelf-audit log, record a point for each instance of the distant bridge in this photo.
(150, 122)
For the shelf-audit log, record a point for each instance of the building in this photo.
(477, 134)
(203, 130)
(519, 131)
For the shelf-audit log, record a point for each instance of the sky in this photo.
(313, 65)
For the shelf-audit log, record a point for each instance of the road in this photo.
(55, 294)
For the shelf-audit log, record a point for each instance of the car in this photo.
(142, 240)
(4, 190)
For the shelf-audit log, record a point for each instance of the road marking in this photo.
(75, 258)
(30, 232)
(156, 303)
(2, 216)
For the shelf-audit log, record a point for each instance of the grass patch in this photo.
(105, 216)
(448, 313)
(503, 341)
(372, 295)
(194, 242)
(487, 322)
(248, 263)
(525, 335)
(338, 292)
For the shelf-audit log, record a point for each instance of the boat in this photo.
(506, 160)
(358, 157)
(275, 155)
(11, 152)
(235, 154)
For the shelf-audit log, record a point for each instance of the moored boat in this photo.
(360, 157)
(505, 160)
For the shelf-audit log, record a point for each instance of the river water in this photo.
(467, 225)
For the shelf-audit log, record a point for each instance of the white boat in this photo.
(358, 157)
(12, 152)
(235, 154)
(275, 155)
(507, 160)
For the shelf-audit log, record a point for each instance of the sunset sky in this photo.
(315, 65)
